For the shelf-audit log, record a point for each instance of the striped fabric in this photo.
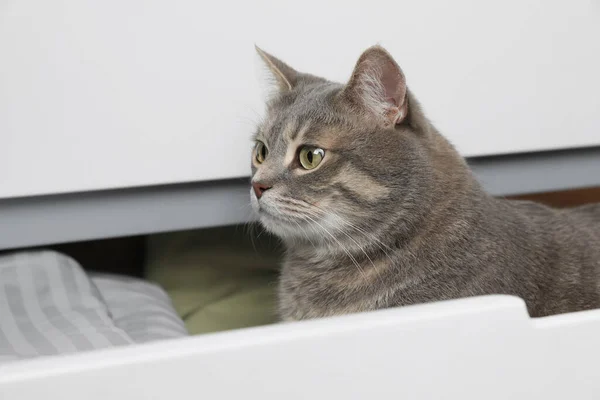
(141, 309)
(48, 306)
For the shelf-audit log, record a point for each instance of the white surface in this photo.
(110, 94)
(478, 348)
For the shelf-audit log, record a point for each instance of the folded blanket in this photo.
(49, 305)
(219, 278)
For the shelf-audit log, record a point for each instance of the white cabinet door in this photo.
(109, 94)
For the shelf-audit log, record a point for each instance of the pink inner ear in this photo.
(393, 84)
(392, 100)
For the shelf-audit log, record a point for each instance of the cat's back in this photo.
(587, 216)
(578, 224)
(557, 255)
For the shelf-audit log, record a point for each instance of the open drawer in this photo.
(477, 348)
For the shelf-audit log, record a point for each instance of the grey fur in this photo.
(393, 215)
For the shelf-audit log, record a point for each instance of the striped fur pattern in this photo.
(393, 216)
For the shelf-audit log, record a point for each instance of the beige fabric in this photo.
(219, 278)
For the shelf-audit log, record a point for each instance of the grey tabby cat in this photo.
(377, 209)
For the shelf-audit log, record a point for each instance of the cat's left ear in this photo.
(378, 87)
(286, 76)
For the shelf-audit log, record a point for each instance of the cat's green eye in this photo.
(311, 157)
(261, 152)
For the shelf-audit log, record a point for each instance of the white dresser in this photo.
(133, 117)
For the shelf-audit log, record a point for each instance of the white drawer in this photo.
(112, 94)
(477, 348)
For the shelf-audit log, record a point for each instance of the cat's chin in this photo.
(273, 223)
(281, 228)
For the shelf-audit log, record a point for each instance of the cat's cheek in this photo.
(333, 223)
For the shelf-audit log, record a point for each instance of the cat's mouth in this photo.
(282, 212)
(297, 220)
(267, 213)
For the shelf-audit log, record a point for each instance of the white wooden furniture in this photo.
(478, 348)
(131, 117)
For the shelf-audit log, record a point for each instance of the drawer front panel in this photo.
(112, 94)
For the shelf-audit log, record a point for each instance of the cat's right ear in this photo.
(286, 76)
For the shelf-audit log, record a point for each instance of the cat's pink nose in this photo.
(259, 188)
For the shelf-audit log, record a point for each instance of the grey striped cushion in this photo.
(140, 308)
(48, 305)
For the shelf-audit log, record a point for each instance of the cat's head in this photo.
(336, 161)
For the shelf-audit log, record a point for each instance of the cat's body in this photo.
(545, 256)
(392, 215)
